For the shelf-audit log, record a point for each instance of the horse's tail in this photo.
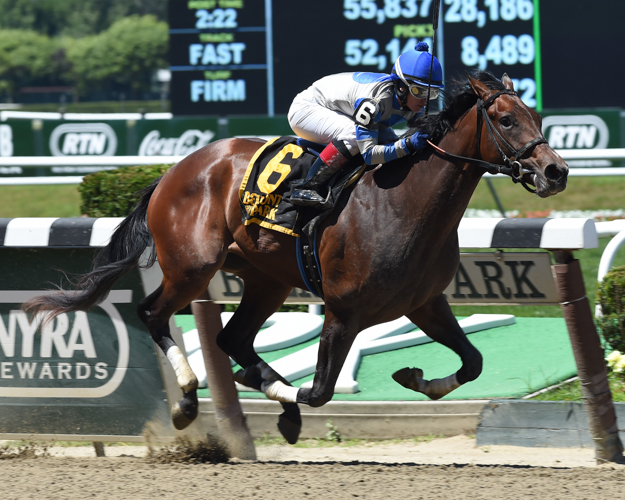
(122, 254)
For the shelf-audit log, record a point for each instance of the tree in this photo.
(26, 58)
(75, 18)
(125, 54)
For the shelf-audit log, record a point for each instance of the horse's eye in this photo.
(505, 121)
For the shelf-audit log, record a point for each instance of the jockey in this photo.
(353, 113)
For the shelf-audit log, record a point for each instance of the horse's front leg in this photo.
(262, 296)
(262, 377)
(439, 323)
(334, 345)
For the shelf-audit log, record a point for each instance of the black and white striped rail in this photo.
(473, 233)
(28, 232)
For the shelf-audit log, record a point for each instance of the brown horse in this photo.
(389, 249)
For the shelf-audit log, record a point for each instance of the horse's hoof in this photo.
(290, 422)
(289, 429)
(406, 377)
(183, 413)
(178, 418)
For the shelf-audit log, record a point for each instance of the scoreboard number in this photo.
(219, 18)
(493, 35)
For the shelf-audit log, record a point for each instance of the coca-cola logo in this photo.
(191, 140)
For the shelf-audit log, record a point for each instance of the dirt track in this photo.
(445, 468)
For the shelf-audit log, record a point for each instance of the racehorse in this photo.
(388, 249)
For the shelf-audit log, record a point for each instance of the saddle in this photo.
(264, 197)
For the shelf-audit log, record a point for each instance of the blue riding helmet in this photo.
(414, 65)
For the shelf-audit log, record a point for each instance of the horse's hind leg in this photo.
(262, 296)
(155, 311)
(439, 323)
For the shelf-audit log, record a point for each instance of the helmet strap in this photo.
(400, 74)
(402, 95)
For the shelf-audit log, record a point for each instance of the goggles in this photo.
(422, 92)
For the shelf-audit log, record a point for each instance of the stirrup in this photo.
(307, 198)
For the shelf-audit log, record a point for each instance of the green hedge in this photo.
(114, 193)
(611, 296)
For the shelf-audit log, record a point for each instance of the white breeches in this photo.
(317, 123)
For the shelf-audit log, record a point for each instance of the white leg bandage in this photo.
(185, 377)
(279, 391)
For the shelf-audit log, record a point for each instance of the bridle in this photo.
(512, 167)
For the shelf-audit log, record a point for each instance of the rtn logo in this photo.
(576, 132)
(83, 139)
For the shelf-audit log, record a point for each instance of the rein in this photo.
(512, 167)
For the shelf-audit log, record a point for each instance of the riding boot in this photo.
(318, 176)
(330, 161)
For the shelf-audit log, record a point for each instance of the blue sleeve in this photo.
(387, 135)
(374, 153)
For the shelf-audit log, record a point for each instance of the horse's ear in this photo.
(507, 81)
(478, 87)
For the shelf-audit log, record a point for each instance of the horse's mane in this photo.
(460, 99)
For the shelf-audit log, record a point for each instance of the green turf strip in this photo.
(519, 359)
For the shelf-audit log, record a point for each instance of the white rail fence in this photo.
(96, 162)
(102, 162)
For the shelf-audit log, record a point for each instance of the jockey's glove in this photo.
(416, 141)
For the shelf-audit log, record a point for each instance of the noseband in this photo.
(512, 167)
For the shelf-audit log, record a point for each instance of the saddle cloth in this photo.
(264, 198)
(266, 187)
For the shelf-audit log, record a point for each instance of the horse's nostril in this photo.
(553, 172)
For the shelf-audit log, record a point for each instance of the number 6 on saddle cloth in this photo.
(267, 186)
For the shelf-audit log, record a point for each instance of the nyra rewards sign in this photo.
(88, 373)
(63, 356)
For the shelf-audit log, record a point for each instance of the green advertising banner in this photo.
(83, 374)
(563, 128)
(583, 129)
(102, 138)
(17, 138)
(93, 138)
(177, 137)
(259, 126)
